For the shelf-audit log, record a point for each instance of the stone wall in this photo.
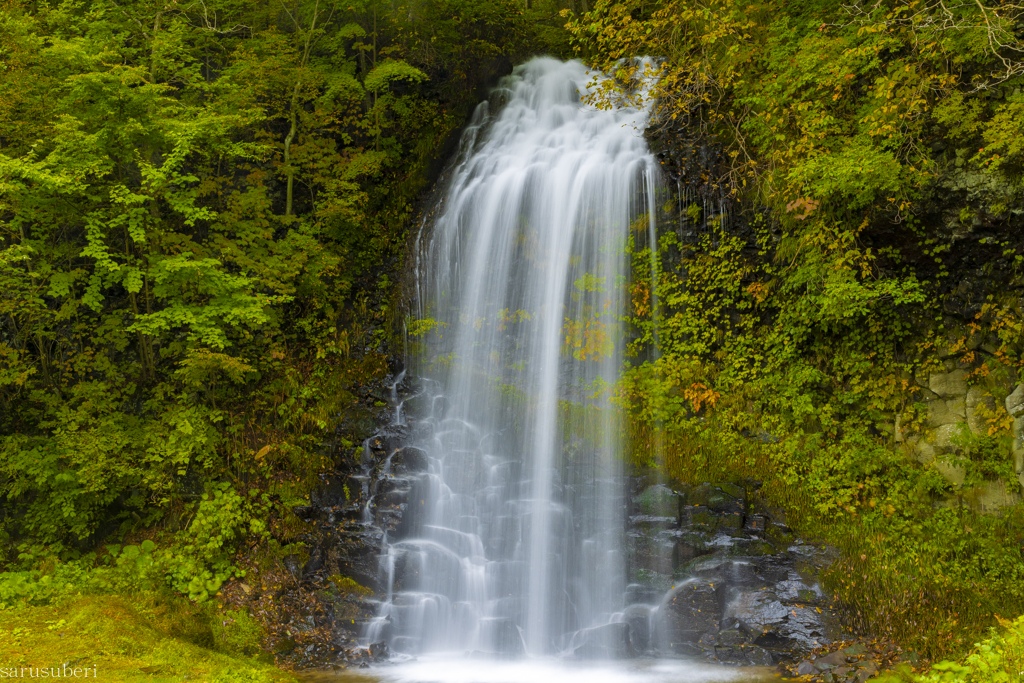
(957, 404)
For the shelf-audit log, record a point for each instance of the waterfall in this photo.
(522, 277)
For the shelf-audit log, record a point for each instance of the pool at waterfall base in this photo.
(467, 669)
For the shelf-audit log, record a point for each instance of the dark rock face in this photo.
(330, 603)
(737, 587)
(408, 460)
(687, 615)
(716, 574)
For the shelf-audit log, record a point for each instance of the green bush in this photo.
(203, 558)
(997, 659)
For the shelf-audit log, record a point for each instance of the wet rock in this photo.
(755, 523)
(731, 637)
(752, 594)
(651, 552)
(637, 593)
(639, 619)
(757, 611)
(734, 572)
(730, 520)
(795, 589)
(379, 651)
(744, 655)
(688, 613)
(720, 498)
(805, 668)
(755, 547)
(652, 523)
(698, 517)
(690, 545)
(396, 495)
(611, 641)
(306, 512)
(409, 459)
(658, 501)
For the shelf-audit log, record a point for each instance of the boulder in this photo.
(755, 523)
(409, 459)
(950, 384)
(775, 625)
(796, 589)
(658, 501)
(992, 496)
(757, 611)
(1018, 448)
(688, 613)
(690, 545)
(639, 619)
(722, 497)
(724, 571)
(947, 435)
(868, 670)
(953, 474)
(942, 412)
(379, 651)
(651, 551)
(1015, 402)
(978, 397)
(730, 638)
(744, 655)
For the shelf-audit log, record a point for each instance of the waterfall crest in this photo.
(517, 547)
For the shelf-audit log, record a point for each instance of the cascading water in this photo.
(517, 547)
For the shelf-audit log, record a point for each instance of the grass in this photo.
(139, 638)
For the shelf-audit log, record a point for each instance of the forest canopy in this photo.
(196, 201)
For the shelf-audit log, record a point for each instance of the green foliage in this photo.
(789, 334)
(997, 659)
(130, 568)
(982, 458)
(195, 204)
(203, 556)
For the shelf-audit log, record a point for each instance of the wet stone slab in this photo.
(736, 586)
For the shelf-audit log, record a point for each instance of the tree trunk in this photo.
(288, 169)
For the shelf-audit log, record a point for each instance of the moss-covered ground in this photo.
(140, 638)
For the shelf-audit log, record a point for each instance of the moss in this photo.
(348, 587)
(144, 637)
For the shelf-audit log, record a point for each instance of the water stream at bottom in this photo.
(463, 670)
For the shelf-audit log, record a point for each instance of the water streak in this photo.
(524, 275)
